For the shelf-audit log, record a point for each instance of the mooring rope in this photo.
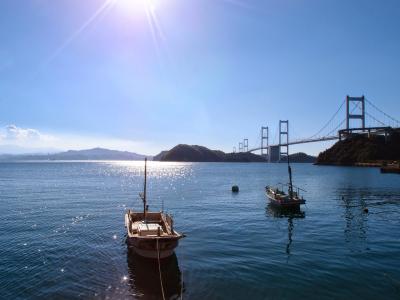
(181, 285)
(159, 270)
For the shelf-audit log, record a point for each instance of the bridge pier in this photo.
(274, 152)
(350, 115)
(245, 145)
(283, 133)
(264, 141)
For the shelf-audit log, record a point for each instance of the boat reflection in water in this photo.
(290, 214)
(355, 214)
(145, 277)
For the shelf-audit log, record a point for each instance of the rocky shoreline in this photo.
(364, 151)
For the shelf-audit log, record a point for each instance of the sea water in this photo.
(62, 232)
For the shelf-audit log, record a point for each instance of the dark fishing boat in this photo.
(151, 234)
(391, 168)
(289, 200)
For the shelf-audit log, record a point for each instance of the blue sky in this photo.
(145, 75)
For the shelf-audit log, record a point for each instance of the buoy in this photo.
(366, 210)
(235, 189)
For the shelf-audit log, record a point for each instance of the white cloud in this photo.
(14, 133)
(33, 140)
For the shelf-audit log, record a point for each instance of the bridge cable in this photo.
(388, 116)
(292, 133)
(330, 120)
(375, 119)
(336, 128)
(275, 137)
(344, 120)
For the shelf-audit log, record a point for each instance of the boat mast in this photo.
(290, 175)
(144, 190)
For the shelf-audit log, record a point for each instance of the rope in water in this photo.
(159, 271)
(182, 285)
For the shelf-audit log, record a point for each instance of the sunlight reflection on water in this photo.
(63, 236)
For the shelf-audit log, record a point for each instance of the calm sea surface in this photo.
(62, 232)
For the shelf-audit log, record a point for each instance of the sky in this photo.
(145, 75)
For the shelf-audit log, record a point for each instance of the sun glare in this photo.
(137, 6)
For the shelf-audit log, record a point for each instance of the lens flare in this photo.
(137, 6)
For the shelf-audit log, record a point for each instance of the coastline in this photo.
(384, 166)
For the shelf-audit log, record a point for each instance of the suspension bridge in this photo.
(370, 120)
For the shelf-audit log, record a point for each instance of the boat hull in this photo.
(286, 203)
(147, 247)
(390, 170)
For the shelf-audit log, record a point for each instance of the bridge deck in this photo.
(364, 130)
(305, 141)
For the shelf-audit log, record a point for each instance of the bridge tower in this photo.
(240, 147)
(245, 145)
(349, 114)
(283, 138)
(264, 141)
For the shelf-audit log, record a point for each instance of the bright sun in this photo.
(137, 6)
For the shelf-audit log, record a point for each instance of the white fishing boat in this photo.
(279, 198)
(151, 234)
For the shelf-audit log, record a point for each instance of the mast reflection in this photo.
(355, 218)
(290, 214)
(145, 277)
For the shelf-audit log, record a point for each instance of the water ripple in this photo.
(62, 233)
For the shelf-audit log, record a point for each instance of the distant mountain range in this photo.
(16, 150)
(195, 153)
(181, 153)
(300, 157)
(90, 154)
